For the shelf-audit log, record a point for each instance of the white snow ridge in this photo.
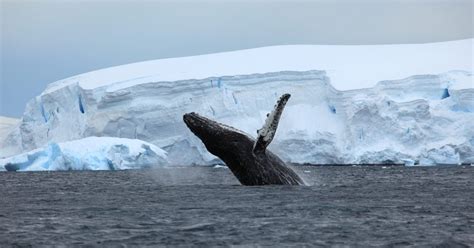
(411, 104)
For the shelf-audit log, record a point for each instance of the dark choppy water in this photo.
(357, 206)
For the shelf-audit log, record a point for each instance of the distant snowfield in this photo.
(347, 66)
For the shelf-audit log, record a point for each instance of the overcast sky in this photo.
(44, 41)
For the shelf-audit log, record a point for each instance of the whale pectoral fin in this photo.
(267, 132)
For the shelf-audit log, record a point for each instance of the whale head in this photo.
(219, 139)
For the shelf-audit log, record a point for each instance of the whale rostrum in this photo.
(248, 158)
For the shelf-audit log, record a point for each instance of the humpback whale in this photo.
(248, 158)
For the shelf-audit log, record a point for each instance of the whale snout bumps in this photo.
(189, 118)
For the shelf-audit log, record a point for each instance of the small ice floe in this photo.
(307, 171)
(219, 166)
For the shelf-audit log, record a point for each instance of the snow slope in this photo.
(349, 67)
(92, 153)
(390, 103)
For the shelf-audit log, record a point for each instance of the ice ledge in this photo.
(91, 153)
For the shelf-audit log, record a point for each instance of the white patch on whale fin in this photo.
(267, 132)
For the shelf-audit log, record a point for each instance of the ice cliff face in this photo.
(426, 118)
(423, 118)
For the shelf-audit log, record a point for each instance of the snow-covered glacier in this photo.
(91, 153)
(350, 104)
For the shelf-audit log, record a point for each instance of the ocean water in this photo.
(203, 206)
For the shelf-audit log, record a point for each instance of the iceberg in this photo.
(372, 104)
(91, 153)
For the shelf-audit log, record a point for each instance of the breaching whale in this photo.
(248, 158)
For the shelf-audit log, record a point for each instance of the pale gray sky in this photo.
(44, 41)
